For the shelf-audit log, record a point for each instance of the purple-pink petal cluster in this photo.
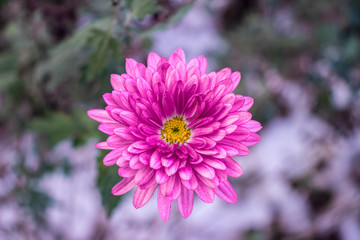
(207, 123)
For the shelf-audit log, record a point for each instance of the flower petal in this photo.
(204, 170)
(141, 197)
(164, 206)
(185, 202)
(100, 115)
(205, 193)
(125, 185)
(233, 169)
(226, 192)
(185, 173)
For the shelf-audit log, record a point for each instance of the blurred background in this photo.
(300, 61)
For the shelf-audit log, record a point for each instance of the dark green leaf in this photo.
(141, 8)
(107, 178)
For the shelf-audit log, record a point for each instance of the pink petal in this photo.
(244, 117)
(129, 118)
(215, 163)
(185, 202)
(205, 193)
(235, 78)
(148, 184)
(203, 64)
(116, 82)
(191, 184)
(126, 172)
(221, 174)
(155, 160)
(145, 157)
(116, 142)
(251, 140)
(233, 169)
(185, 173)
(124, 133)
(141, 197)
(174, 59)
(143, 175)
(130, 66)
(103, 145)
(100, 115)
(153, 60)
(254, 126)
(204, 170)
(161, 177)
(167, 187)
(181, 54)
(112, 157)
(226, 192)
(248, 103)
(164, 206)
(125, 185)
(212, 183)
(173, 168)
(143, 87)
(135, 162)
(229, 120)
(175, 193)
(108, 128)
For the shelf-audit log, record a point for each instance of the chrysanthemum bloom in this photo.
(175, 128)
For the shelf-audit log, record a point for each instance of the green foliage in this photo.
(57, 126)
(254, 235)
(106, 46)
(107, 178)
(68, 58)
(140, 8)
(8, 67)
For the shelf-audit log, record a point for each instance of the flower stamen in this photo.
(175, 131)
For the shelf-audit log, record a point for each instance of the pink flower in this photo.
(174, 127)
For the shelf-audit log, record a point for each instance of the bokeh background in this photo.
(300, 61)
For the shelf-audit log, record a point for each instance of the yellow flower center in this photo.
(175, 131)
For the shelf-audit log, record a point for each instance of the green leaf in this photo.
(57, 126)
(141, 8)
(67, 58)
(107, 178)
(8, 70)
(105, 47)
